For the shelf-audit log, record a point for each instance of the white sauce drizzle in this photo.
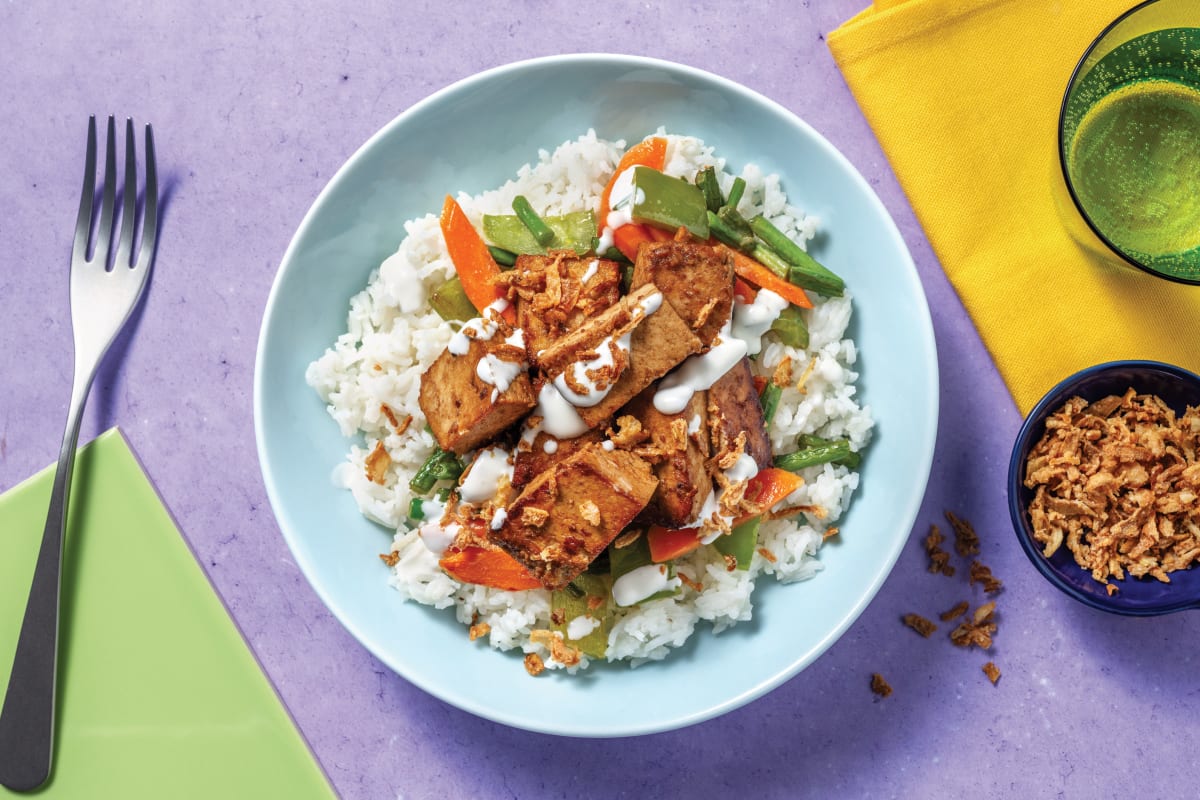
(619, 206)
(698, 373)
(752, 320)
(638, 584)
(483, 480)
(558, 417)
(694, 424)
(498, 373)
(591, 271)
(581, 626)
(605, 357)
(499, 518)
(608, 445)
(482, 327)
(550, 446)
(436, 538)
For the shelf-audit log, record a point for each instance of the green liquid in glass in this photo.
(1132, 138)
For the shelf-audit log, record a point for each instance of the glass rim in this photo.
(1062, 150)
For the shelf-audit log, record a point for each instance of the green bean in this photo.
(706, 179)
(771, 260)
(416, 508)
(440, 466)
(837, 452)
(728, 235)
(807, 440)
(805, 271)
(769, 400)
(730, 216)
(501, 256)
(735, 192)
(540, 230)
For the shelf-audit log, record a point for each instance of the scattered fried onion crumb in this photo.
(992, 671)
(391, 559)
(966, 541)
(377, 463)
(767, 554)
(590, 513)
(977, 631)
(983, 574)
(731, 562)
(829, 533)
(782, 376)
(879, 686)
(919, 624)
(479, 630)
(560, 651)
(627, 538)
(954, 613)
(695, 586)
(1119, 481)
(939, 559)
(534, 664)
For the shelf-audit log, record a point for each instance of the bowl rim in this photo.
(1050, 401)
(921, 465)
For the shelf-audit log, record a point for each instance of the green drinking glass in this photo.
(1129, 138)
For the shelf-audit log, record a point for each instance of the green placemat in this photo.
(158, 695)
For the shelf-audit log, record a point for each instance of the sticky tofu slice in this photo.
(696, 279)
(558, 292)
(733, 408)
(683, 481)
(568, 514)
(534, 460)
(458, 404)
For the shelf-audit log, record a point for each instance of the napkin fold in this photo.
(158, 695)
(964, 96)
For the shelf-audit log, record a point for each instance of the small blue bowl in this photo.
(1139, 597)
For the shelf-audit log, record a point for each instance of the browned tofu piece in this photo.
(556, 293)
(658, 343)
(696, 280)
(568, 514)
(459, 405)
(683, 482)
(535, 460)
(733, 407)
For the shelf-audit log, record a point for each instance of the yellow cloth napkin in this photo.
(964, 97)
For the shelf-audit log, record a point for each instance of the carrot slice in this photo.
(628, 238)
(670, 543)
(488, 566)
(744, 290)
(770, 486)
(763, 278)
(474, 264)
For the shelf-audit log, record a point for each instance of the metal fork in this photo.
(104, 293)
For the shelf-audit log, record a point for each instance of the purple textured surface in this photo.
(254, 107)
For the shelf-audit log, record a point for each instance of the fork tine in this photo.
(149, 205)
(104, 230)
(83, 222)
(129, 206)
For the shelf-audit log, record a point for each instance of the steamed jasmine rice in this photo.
(371, 376)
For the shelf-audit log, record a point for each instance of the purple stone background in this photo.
(255, 106)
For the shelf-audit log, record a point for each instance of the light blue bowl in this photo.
(473, 136)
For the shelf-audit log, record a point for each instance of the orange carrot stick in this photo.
(474, 264)
(770, 486)
(488, 566)
(670, 543)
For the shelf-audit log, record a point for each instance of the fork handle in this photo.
(27, 717)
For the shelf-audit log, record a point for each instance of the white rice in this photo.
(393, 336)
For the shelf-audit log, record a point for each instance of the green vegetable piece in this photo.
(835, 452)
(720, 229)
(501, 256)
(574, 231)
(416, 509)
(735, 192)
(706, 179)
(805, 270)
(450, 301)
(807, 440)
(613, 254)
(542, 232)
(626, 277)
(769, 400)
(440, 466)
(668, 203)
(791, 327)
(771, 260)
(740, 542)
(730, 216)
(593, 598)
